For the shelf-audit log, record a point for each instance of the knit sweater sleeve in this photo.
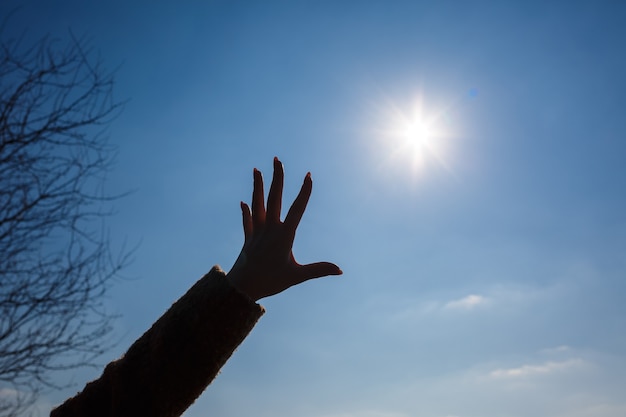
(168, 367)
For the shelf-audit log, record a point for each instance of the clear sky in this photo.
(469, 169)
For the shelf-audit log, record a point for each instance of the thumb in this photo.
(317, 270)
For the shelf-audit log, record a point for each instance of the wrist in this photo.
(241, 278)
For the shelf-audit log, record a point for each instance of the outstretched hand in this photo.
(266, 265)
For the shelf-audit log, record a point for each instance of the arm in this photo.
(166, 369)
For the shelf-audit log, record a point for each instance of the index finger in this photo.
(299, 205)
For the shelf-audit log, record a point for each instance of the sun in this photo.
(417, 135)
(414, 136)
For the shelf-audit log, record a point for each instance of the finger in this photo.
(299, 205)
(258, 205)
(275, 196)
(317, 270)
(247, 221)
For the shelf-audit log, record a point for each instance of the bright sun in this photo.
(415, 137)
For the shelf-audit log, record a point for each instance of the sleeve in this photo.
(168, 367)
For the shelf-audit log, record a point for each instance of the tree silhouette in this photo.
(56, 260)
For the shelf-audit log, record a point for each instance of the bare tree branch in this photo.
(55, 258)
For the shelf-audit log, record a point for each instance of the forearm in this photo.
(166, 369)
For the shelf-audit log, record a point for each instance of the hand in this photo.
(266, 265)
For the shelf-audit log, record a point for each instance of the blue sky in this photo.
(484, 268)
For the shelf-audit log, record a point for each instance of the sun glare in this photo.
(414, 137)
(417, 134)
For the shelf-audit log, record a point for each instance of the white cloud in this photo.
(367, 413)
(556, 349)
(597, 410)
(530, 370)
(9, 393)
(10, 397)
(466, 303)
(507, 299)
(421, 309)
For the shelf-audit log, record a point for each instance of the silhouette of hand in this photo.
(266, 265)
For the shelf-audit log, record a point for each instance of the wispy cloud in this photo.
(368, 413)
(466, 303)
(8, 393)
(598, 410)
(556, 349)
(530, 370)
(428, 308)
